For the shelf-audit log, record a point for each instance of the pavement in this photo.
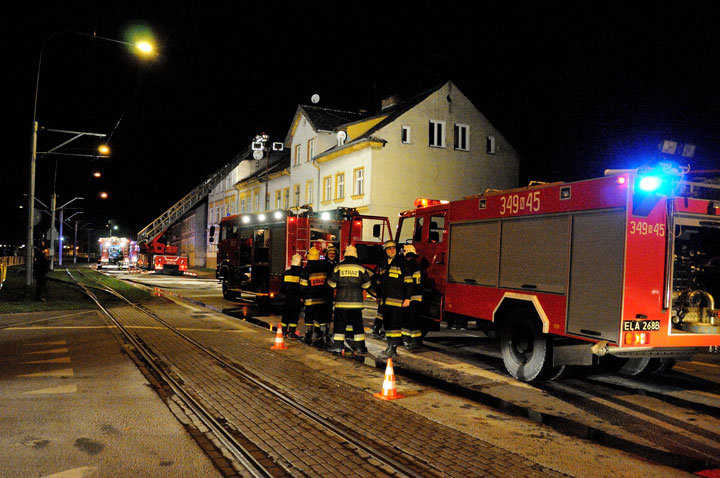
(75, 405)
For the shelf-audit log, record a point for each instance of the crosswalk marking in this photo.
(64, 372)
(55, 360)
(52, 390)
(51, 351)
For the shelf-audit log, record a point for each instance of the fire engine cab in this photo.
(255, 249)
(117, 251)
(626, 265)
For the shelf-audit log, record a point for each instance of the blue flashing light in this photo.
(650, 183)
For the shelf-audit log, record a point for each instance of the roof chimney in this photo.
(389, 102)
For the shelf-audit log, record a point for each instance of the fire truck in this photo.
(117, 251)
(255, 249)
(624, 267)
(160, 258)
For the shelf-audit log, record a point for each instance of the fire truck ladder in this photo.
(169, 217)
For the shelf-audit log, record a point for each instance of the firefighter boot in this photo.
(337, 347)
(415, 344)
(309, 332)
(390, 351)
(360, 347)
(378, 332)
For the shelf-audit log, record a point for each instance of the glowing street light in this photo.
(103, 195)
(97, 174)
(104, 149)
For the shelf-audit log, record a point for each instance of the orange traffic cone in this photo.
(388, 389)
(279, 342)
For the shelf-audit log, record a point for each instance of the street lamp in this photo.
(144, 47)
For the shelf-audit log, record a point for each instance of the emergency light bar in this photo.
(425, 202)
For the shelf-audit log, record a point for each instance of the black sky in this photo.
(575, 87)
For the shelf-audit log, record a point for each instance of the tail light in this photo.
(637, 338)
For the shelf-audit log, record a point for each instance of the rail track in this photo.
(248, 457)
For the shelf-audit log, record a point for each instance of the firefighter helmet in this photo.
(389, 244)
(296, 260)
(409, 250)
(351, 251)
(313, 254)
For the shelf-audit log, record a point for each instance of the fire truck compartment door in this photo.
(596, 274)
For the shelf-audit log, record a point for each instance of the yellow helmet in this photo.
(313, 254)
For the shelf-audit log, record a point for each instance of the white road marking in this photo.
(57, 342)
(64, 372)
(51, 390)
(55, 360)
(82, 472)
(52, 351)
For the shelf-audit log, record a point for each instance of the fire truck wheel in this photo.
(634, 367)
(658, 366)
(227, 293)
(526, 351)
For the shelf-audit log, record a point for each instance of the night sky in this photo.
(576, 88)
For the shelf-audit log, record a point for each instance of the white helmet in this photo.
(409, 249)
(351, 251)
(296, 260)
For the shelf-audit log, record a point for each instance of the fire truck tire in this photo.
(659, 366)
(526, 351)
(227, 293)
(636, 366)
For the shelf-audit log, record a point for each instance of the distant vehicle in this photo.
(159, 257)
(117, 251)
(626, 265)
(255, 249)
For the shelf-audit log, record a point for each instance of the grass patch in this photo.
(16, 297)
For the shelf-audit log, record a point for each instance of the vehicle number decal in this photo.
(641, 325)
(643, 228)
(515, 203)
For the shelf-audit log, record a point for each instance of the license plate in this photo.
(641, 325)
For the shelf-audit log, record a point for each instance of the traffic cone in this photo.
(279, 342)
(388, 389)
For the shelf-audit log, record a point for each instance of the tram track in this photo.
(389, 464)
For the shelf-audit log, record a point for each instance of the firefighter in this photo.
(317, 296)
(331, 255)
(40, 269)
(411, 333)
(293, 297)
(349, 278)
(394, 292)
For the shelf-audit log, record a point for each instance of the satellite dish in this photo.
(315, 98)
(257, 154)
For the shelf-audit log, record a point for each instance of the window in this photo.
(278, 199)
(297, 155)
(437, 227)
(491, 148)
(242, 206)
(327, 188)
(339, 185)
(405, 134)
(417, 235)
(267, 200)
(296, 193)
(359, 181)
(462, 137)
(437, 133)
(310, 149)
(286, 198)
(309, 192)
(257, 201)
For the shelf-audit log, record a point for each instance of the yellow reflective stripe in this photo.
(314, 301)
(340, 337)
(359, 338)
(417, 276)
(332, 283)
(366, 285)
(292, 279)
(416, 297)
(348, 305)
(393, 302)
(393, 334)
(408, 280)
(348, 328)
(303, 282)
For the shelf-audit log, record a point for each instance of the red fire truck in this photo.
(117, 251)
(161, 258)
(255, 249)
(627, 266)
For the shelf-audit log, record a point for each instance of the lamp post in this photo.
(142, 46)
(60, 241)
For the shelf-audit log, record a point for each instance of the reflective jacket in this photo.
(314, 283)
(394, 284)
(350, 278)
(414, 278)
(291, 282)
